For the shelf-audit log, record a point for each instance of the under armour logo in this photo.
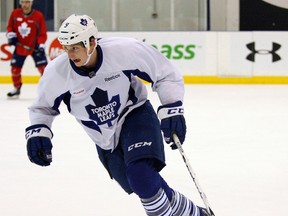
(275, 56)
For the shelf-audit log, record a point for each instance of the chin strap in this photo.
(89, 56)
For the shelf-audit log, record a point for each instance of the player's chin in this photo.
(78, 62)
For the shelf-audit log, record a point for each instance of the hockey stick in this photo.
(193, 175)
(25, 46)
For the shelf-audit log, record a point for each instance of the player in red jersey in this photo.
(26, 30)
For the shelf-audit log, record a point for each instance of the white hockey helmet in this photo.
(76, 29)
(20, 1)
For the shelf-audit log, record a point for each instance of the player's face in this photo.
(76, 53)
(26, 6)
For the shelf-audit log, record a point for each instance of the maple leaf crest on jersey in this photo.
(24, 30)
(104, 111)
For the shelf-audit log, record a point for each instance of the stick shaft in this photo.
(193, 175)
(25, 46)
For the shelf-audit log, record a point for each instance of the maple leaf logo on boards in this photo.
(104, 111)
(24, 30)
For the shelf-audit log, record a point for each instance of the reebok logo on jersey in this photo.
(139, 145)
(112, 77)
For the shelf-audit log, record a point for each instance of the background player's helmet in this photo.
(77, 28)
(20, 1)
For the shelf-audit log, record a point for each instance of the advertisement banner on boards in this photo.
(197, 54)
(185, 49)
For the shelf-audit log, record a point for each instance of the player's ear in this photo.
(92, 41)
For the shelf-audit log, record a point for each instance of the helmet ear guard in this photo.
(76, 29)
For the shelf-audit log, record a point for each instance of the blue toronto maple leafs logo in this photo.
(83, 22)
(104, 111)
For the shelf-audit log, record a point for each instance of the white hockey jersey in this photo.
(100, 99)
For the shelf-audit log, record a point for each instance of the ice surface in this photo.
(237, 143)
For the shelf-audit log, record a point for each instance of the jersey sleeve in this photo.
(50, 91)
(43, 30)
(10, 24)
(166, 79)
(42, 111)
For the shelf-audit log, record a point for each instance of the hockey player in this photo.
(98, 80)
(26, 30)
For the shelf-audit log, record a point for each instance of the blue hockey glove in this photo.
(172, 121)
(39, 144)
(40, 49)
(12, 38)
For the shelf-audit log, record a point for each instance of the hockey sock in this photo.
(182, 206)
(147, 183)
(16, 76)
(158, 205)
(144, 180)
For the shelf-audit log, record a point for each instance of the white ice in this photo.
(237, 144)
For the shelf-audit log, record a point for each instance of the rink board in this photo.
(202, 57)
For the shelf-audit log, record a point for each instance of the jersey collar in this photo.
(90, 73)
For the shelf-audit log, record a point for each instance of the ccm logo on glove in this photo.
(176, 111)
(166, 112)
(172, 121)
(39, 144)
(39, 131)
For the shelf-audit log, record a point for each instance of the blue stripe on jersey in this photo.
(139, 74)
(65, 97)
(132, 96)
(92, 125)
